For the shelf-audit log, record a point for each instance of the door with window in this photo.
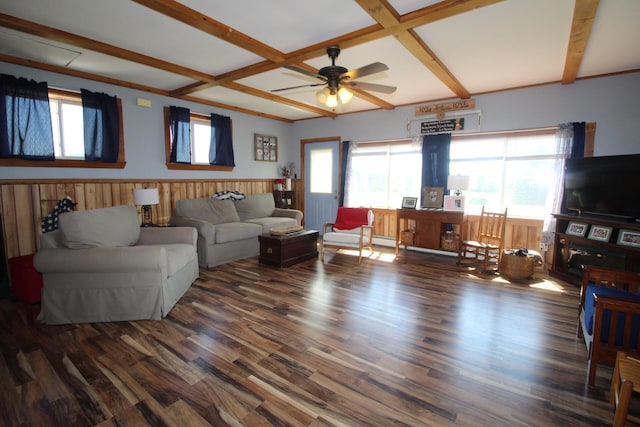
(321, 177)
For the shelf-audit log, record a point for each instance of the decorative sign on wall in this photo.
(266, 148)
(438, 126)
(440, 109)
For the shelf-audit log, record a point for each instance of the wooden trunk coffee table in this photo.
(288, 249)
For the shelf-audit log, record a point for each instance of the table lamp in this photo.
(457, 183)
(146, 197)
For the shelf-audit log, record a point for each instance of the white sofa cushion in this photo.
(116, 226)
(234, 231)
(207, 209)
(256, 206)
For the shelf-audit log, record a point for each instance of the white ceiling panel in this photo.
(130, 26)
(503, 40)
(286, 25)
(619, 49)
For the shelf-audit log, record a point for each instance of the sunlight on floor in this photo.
(377, 256)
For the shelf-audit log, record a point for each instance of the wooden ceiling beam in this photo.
(96, 46)
(202, 22)
(584, 13)
(426, 15)
(49, 33)
(386, 15)
(96, 77)
(271, 97)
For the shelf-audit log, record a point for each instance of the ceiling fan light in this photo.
(322, 95)
(345, 95)
(332, 101)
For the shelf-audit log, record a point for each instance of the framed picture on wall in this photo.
(265, 148)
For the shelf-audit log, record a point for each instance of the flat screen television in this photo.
(607, 186)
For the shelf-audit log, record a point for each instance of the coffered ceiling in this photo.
(233, 54)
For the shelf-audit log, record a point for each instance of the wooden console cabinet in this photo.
(572, 252)
(427, 226)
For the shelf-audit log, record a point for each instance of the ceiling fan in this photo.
(338, 79)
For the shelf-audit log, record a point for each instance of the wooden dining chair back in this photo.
(489, 242)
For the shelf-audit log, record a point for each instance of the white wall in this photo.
(611, 102)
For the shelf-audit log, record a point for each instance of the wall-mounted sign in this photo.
(463, 104)
(439, 126)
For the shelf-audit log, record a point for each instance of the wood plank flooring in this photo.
(417, 341)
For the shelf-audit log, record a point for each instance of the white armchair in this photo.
(353, 229)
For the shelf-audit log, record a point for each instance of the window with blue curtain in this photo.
(179, 125)
(101, 122)
(221, 149)
(25, 119)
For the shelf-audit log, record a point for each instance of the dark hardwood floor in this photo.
(417, 341)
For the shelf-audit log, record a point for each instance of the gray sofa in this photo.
(101, 266)
(228, 230)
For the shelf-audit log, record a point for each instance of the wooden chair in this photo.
(626, 380)
(489, 240)
(353, 228)
(618, 301)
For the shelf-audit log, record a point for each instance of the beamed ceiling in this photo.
(233, 54)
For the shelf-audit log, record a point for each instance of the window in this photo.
(382, 173)
(68, 135)
(200, 139)
(513, 170)
(516, 170)
(66, 121)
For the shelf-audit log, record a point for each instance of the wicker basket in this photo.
(406, 237)
(517, 267)
(450, 242)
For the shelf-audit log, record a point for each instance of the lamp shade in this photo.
(145, 196)
(458, 182)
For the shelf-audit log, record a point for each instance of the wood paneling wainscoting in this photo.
(26, 202)
(520, 232)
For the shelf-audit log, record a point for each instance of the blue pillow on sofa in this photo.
(589, 309)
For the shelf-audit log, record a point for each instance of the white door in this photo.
(322, 178)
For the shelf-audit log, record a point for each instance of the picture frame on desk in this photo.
(454, 203)
(432, 197)
(629, 238)
(576, 229)
(600, 233)
(409, 202)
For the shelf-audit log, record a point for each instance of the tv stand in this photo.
(573, 250)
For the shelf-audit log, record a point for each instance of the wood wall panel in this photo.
(25, 203)
(519, 233)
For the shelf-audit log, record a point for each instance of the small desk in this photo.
(430, 225)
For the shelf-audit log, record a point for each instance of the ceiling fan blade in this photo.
(297, 87)
(371, 86)
(304, 71)
(373, 68)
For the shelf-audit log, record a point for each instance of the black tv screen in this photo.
(607, 185)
